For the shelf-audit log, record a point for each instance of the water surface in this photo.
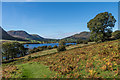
(31, 46)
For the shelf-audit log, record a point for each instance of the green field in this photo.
(92, 61)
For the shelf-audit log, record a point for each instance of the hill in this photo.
(37, 37)
(6, 36)
(24, 35)
(83, 35)
(92, 61)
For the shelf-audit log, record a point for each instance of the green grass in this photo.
(35, 70)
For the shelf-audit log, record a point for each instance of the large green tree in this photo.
(101, 26)
(13, 49)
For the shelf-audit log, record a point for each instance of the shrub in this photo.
(49, 47)
(29, 57)
(44, 47)
(85, 42)
(40, 48)
(55, 46)
(62, 42)
(67, 45)
(79, 41)
(70, 44)
(31, 51)
(36, 50)
(61, 48)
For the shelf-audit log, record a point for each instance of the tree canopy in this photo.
(12, 49)
(101, 26)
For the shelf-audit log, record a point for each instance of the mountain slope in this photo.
(24, 35)
(37, 37)
(83, 35)
(6, 36)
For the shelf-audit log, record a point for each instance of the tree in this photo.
(61, 46)
(101, 26)
(79, 41)
(62, 42)
(116, 34)
(13, 49)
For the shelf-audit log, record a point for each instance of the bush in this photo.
(62, 42)
(40, 48)
(44, 47)
(79, 41)
(36, 50)
(55, 46)
(67, 45)
(85, 42)
(61, 48)
(29, 57)
(49, 47)
(31, 51)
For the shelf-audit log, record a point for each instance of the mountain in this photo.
(83, 35)
(37, 37)
(24, 35)
(6, 36)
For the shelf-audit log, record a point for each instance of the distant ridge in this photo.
(83, 35)
(6, 36)
(24, 35)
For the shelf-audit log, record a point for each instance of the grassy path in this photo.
(35, 70)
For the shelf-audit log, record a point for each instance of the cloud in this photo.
(60, 35)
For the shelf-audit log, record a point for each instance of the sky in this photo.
(53, 19)
(60, 0)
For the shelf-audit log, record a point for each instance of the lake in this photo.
(31, 46)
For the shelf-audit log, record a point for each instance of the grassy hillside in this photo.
(99, 61)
